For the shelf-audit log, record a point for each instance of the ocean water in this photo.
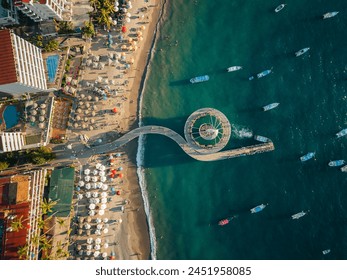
(187, 198)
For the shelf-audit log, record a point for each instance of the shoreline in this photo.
(139, 223)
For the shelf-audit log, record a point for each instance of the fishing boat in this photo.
(258, 208)
(307, 156)
(327, 251)
(336, 162)
(264, 73)
(330, 15)
(298, 215)
(302, 51)
(251, 78)
(199, 79)
(341, 133)
(280, 7)
(261, 138)
(344, 169)
(225, 221)
(234, 68)
(270, 106)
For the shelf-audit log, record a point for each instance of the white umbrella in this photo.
(106, 245)
(95, 194)
(102, 173)
(94, 179)
(102, 178)
(104, 194)
(99, 226)
(81, 183)
(80, 252)
(88, 253)
(92, 206)
(80, 196)
(127, 19)
(88, 194)
(97, 247)
(105, 220)
(97, 200)
(69, 146)
(90, 240)
(87, 178)
(98, 165)
(104, 187)
(88, 186)
(105, 230)
(91, 213)
(99, 185)
(95, 172)
(128, 14)
(87, 226)
(98, 240)
(93, 185)
(104, 255)
(103, 206)
(96, 254)
(104, 200)
(101, 212)
(120, 221)
(98, 232)
(102, 167)
(89, 247)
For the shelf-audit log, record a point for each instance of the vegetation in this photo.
(103, 11)
(47, 206)
(51, 45)
(65, 27)
(88, 30)
(4, 165)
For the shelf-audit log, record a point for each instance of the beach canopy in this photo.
(97, 247)
(101, 212)
(96, 254)
(81, 183)
(88, 194)
(114, 110)
(87, 178)
(114, 171)
(104, 187)
(92, 206)
(120, 175)
(104, 194)
(118, 192)
(124, 29)
(99, 226)
(89, 240)
(86, 171)
(120, 168)
(105, 230)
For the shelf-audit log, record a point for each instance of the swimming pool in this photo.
(10, 116)
(52, 66)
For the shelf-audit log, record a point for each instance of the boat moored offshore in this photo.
(327, 251)
(270, 106)
(225, 221)
(302, 51)
(334, 163)
(280, 7)
(341, 133)
(261, 138)
(199, 79)
(234, 68)
(344, 168)
(258, 208)
(307, 156)
(264, 73)
(298, 215)
(330, 15)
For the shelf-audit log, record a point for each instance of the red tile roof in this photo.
(7, 64)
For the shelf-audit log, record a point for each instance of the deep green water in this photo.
(187, 198)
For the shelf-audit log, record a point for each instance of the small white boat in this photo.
(234, 68)
(334, 163)
(341, 133)
(302, 51)
(327, 251)
(280, 7)
(261, 138)
(270, 106)
(258, 208)
(330, 15)
(344, 168)
(298, 215)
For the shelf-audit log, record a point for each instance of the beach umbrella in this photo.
(92, 206)
(120, 168)
(95, 194)
(97, 200)
(86, 171)
(79, 196)
(105, 220)
(124, 29)
(88, 186)
(93, 185)
(94, 179)
(140, 38)
(69, 146)
(104, 187)
(104, 255)
(123, 47)
(78, 118)
(99, 185)
(118, 193)
(104, 194)
(139, 33)
(132, 60)
(88, 194)
(118, 154)
(103, 179)
(91, 212)
(88, 232)
(103, 206)
(99, 226)
(95, 172)
(98, 165)
(78, 189)
(142, 27)
(89, 246)
(119, 221)
(102, 173)
(98, 220)
(97, 247)
(87, 178)
(88, 253)
(105, 230)
(127, 19)
(87, 226)
(103, 200)
(120, 175)
(98, 240)
(97, 232)
(128, 14)
(80, 231)
(127, 66)
(90, 240)
(81, 183)
(101, 212)
(96, 254)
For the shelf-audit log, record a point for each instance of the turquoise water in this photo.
(187, 197)
(52, 66)
(10, 116)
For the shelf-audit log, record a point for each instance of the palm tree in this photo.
(23, 252)
(16, 225)
(104, 18)
(47, 206)
(95, 4)
(61, 222)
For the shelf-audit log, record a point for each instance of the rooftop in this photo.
(7, 63)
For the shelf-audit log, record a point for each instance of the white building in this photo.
(39, 10)
(21, 65)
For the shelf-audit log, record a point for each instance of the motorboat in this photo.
(336, 162)
(302, 51)
(264, 73)
(261, 138)
(225, 221)
(280, 7)
(199, 79)
(327, 251)
(298, 215)
(341, 133)
(344, 168)
(307, 156)
(251, 78)
(234, 68)
(330, 15)
(258, 208)
(270, 106)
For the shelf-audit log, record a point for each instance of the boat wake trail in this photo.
(242, 132)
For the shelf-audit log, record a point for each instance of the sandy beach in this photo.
(127, 234)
